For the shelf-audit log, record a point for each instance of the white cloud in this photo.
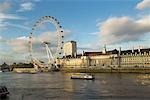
(5, 16)
(87, 47)
(5, 6)
(17, 26)
(143, 5)
(93, 33)
(4, 23)
(121, 29)
(20, 47)
(20, 44)
(14, 50)
(22, 38)
(13, 57)
(19, 41)
(2, 40)
(4, 58)
(27, 6)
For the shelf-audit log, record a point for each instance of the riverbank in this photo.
(107, 70)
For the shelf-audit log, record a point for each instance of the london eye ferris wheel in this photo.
(47, 45)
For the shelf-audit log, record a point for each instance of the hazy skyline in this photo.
(92, 23)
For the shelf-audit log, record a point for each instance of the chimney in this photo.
(83, 53)
(104, 49)
(119, 50)
(133, 49)
(139, 49)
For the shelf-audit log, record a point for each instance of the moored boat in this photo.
(3, 91)
(82, 76)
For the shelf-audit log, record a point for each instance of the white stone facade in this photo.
(70, 49)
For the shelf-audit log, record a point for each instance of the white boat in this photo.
(82, 76)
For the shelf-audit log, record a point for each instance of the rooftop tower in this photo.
(70, 49)
(104, 49)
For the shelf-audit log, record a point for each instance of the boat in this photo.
(3, 91)
(82, 76)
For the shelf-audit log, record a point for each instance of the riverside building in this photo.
(135, 58)
(70, 49)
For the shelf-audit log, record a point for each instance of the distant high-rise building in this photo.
(70, 49)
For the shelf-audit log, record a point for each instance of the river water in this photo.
(59, 86)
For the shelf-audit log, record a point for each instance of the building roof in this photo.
(71, 41)
(115, 51)
(147, 50)
(79, 55)
(137, 51)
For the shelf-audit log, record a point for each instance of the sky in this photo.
(91, 23)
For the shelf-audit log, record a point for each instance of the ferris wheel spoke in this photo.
(51, 56)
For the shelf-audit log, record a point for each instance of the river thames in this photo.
(59, 86)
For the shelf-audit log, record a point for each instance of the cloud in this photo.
(15, 50)
(86, 47)
(122, 29)
(20, 44)
(143, 5)
(2, 40)
(13, 57)
(19, 40)
(5, 16)
(93, 33)
(27, 6)
(4, 23)
(5, 6)
(17, 26)
(4, 58)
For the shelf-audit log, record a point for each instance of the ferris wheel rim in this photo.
(59, 32)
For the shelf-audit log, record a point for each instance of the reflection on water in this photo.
(143, 79)
(68, 85)
(59, 86)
